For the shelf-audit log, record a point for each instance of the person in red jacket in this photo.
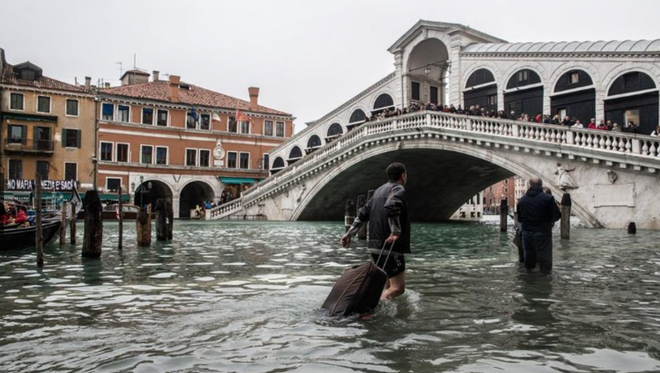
(21, 216)
(602, 126)
(592, 124)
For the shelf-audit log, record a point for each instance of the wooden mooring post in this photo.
(170, 220)
(361, 201)
(565, 208)
(161, 220)
(40, 229)
(72, 224)
(120, 220)
(143, 227)
(63, 225)
(93, 230)
(504, 212)
(349, 214)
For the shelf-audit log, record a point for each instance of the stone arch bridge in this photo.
(452, 157)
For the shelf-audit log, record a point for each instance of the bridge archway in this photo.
(314, 142)
(459, 172)
(278, 164)
(383, 101)
(574, 96)
(427, 71)
(633, 97)
(335, 130)
(193, 194)
(357, 117)
(150, 191)
(481, 89)
(524, 93)
(294, 155)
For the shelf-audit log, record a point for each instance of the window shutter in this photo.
(78, 138)
(64, 137)
(24, 134)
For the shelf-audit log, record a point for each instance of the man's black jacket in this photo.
(386, 212)
(537, 211)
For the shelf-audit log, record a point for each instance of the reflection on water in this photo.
(243, 297)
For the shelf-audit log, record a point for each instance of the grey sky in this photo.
(306, 56)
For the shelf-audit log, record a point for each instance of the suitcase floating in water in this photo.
(358, 290)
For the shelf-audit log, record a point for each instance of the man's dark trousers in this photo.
(538, 249)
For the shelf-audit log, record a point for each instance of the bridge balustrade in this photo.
(602, 141)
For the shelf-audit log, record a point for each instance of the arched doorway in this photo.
(149, 192)
(427, 72)
(193, 194)
(357, 117)
(580, 101)
(313, 143)
(481, 89)
(633, 97)
(383, 101)
(524, 94)
(294, 155)
(278, 164)
(335, 130)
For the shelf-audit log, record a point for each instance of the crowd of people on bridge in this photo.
(476, 110)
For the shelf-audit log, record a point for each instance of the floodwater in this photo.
(244, 297)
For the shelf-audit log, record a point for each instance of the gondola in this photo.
(14, 237)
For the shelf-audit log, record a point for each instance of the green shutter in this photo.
(64, 137)
(78, 138)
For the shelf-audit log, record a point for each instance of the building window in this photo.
(16, 134)
(416, 91)
(72, 107)
(107, 111)
(205, 121)
(265, 163)
(191, 120)
(16, 101)
(523, 75)
(506, 190)
(147, 115)
(42, 138)
(574, 78)
(191, 157)
(231, 159)
(70, 171)
(204, 158)
(147, 154)
(123, 112)
(161, 155)
(122, 153)
(70, 138)
(112, 184)
(106, 151)
(16, 169)
(245, 160)
(280, 129)
(245, 127)
(43, 104)
(631, 116)
(162, 117)
(43, 170)
(231, 124)
(268, 128)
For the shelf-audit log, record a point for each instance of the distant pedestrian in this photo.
(537, 212)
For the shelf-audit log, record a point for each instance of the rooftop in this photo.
(614, 46)
(9, 76)
(191, 95)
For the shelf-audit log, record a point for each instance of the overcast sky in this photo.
(307, 56)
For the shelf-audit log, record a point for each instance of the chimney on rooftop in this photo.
(254, 97)
(88, 82)
(174, 87)
(107, 85)
(155, 75)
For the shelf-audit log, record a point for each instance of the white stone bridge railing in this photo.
(599, 144)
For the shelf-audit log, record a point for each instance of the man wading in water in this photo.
(387, 214)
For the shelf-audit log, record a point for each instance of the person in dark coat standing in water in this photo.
(389, 223)
(537, 212)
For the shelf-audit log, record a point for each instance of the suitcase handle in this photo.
(388, 253)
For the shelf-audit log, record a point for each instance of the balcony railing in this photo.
(21, 145)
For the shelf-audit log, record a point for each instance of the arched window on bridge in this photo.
(294, 155)
(574, 96)
(278, 164)
(334, 131)
(524, 94)
(357, 117)
(633, 97)
(384, 101)
(313, 143)
(481, 89)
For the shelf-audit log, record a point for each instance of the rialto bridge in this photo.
(452, 157)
